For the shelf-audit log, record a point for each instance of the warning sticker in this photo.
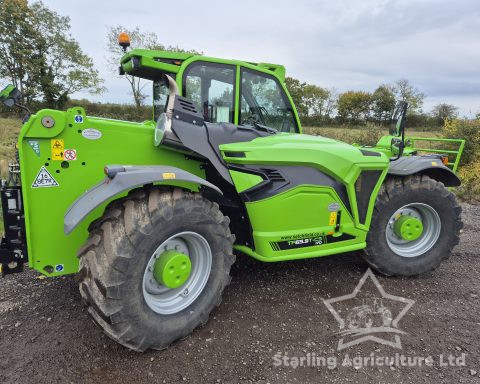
(333, 218)
(35, 146)
(58, 147)
(44, 179)
(70, 154)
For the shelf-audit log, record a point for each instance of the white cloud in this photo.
(346, 44)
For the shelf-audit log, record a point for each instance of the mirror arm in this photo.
(401, 144)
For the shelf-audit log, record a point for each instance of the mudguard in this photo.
(122, 178)
(425, 165)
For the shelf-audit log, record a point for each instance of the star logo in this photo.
(363, 315)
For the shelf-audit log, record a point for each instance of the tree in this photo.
(39, 57)
(354, 106)
(444, 111)
(16, 46)
(311, 100)
(295, 88)
(138, 39)
(314, 99)
(331, 103)
(405, 91)
(383, 103)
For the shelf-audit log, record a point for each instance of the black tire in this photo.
(113, 261)
(396, 193)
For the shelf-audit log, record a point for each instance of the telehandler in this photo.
(149, 215)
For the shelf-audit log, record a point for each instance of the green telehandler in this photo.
(149, 215)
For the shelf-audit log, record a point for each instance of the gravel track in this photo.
(46, 336)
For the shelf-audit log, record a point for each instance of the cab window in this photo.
(160, 96)
(211, 87)
(264, 101)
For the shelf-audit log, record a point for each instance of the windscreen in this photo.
(264, 101)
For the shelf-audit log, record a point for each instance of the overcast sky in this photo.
(345, 44)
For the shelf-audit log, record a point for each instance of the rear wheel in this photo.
(415, 225)
(155, 265)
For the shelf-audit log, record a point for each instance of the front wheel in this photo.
(155, 265)
(415, 225)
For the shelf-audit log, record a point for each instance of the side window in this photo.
(263, 101)
(211, 87)
(160, 96)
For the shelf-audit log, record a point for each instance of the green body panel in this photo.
(160, 61)
(299, 213)
(244, 181)
(339, 160)
(120, 143)
(303, 213)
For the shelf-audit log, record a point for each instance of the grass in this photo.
(9, 129)
(368, 135)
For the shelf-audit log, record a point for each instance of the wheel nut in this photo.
(185, 292)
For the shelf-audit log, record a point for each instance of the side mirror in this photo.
(397, 126)
(10, 96)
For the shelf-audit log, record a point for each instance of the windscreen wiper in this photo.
(265, 128)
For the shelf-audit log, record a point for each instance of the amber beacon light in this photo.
(124, 41)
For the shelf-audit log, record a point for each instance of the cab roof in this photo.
(151, 64)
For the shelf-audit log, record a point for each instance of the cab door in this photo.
(211, 87)
(263, 100)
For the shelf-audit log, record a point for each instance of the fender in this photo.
(121, 178)
(425, 165)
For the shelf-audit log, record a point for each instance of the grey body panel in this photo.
(124, 178)
(410, 165)
(205, 140)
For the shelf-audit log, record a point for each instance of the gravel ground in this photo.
(46, 336)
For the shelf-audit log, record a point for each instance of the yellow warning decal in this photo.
(58, 147)
(333, 218)
(434, 163)
(169, 175)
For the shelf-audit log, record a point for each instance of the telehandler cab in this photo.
(150, 214)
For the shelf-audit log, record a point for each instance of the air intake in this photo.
(273, 175)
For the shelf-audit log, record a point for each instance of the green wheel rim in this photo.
(422, 239)
(166, 294)
(408, 228)
(172, 269)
